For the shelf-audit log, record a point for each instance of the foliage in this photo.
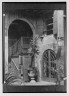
(34, 45)
(34, 48)
(60, 66)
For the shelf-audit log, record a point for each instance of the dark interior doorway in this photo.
(18, 29)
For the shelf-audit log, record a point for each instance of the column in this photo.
(6, 43)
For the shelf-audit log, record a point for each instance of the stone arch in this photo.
(9, 19)
(25, 20)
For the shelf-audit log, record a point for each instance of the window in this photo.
(49, 66)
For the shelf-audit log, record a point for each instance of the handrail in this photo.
(15, 65)
(11, 73)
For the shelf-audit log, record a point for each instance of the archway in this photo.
(19, 37)
(17, 29)
(49, 65)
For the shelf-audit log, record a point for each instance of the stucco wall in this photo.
(48, 42)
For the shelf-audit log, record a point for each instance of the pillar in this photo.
(6, 43)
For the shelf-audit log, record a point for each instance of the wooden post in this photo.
(19, 64)
(21, 41)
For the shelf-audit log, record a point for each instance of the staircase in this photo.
(13, 73)
(18, 48)
(13, 69)
(21, 46)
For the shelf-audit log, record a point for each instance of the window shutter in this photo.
(58, 25)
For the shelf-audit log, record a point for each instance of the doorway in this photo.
(18, 28)
(19, 37)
